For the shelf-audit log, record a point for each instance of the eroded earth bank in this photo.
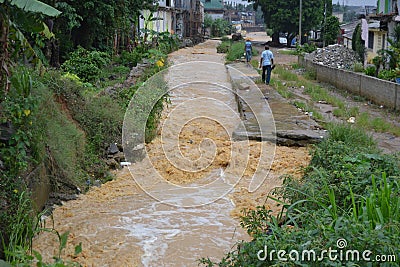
(183, 201)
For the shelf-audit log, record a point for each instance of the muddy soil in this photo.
(118, 224)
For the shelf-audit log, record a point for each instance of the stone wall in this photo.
(379, 91)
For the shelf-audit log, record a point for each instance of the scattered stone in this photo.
(112, 149)
(236, 37)
(336, 56)
(97, 183)
(244, 86)
(125, 163)
(351, 120)
(112, 164)
(187, 42)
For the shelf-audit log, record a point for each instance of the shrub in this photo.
(130, 59)
(86, 64)
(236, 51)
(370, 70)
(306, 48)
(388, 75)
(349, 193)
(358, 67)
(223, 47)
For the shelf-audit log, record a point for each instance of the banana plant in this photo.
(16, 17)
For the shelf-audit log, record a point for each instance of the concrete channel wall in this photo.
(379, 91)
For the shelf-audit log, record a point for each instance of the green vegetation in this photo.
(387, 62)
(234, 50)
(305, 48)
(358, 67)
(86, 64)
(217, 27)
(58, 123)
(349, 193)
(370, 70)
(282, 16)
(286, 75)
(365, 121)
(281, 88)
(331, 30)
(309, 109)
(288, 52)
(357, 44)
(285, 78)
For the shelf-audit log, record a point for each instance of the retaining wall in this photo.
(379, 91)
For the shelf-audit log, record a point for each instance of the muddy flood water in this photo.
(183, 200)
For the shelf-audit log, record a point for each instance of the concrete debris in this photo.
(335, 56)
(351, 120)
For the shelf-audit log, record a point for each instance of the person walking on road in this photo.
(266, 62)
(248, 50)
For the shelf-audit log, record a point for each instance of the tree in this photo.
(283, 15)
(18, 17)
(331, 30)
(358, 44)
(100, 24)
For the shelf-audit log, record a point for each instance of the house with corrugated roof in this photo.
(214, 8)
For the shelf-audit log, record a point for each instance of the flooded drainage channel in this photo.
(178, 206)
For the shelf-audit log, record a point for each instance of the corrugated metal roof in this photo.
(213, 5)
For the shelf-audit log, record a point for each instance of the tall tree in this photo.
(283, 16)
(18, 17)
(331, 30)
(96, 23)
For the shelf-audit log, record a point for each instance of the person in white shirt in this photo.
(266, 62)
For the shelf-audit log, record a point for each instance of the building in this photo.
(388, 7)
(214, 8)
(377, 40)
(384, 21)
(189, 18)
(182, 17)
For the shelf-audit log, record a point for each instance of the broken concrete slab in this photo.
(268, 116)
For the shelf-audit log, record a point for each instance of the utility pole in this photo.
(300, 15)
(324, 27)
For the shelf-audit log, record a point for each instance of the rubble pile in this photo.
(336, 56)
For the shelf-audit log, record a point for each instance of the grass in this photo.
(346, 112)
(281, 88)
(234, 50)
(365, 121)
(111, 75)
(288, 52)
(284, 78)
(348, 191)
(307, 108)
(285, 75)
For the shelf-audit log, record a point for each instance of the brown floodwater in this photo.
(181, 202)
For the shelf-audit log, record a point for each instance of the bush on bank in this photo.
(62, 124)
(234, 49)
(348, 200)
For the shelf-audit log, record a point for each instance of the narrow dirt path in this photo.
(139, 219)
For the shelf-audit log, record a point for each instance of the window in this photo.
(371, 40)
